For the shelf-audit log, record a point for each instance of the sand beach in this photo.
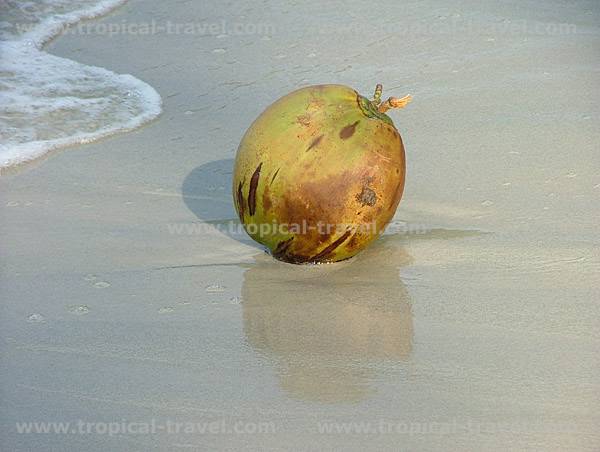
(135, 312)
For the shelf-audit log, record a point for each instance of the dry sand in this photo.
(480, 332)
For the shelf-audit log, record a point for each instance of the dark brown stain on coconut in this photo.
(283, 253)
(348, 131)
(319, 204)
(240, 201)
(367, 197)
(275, 175)
(266, 199)
(331, 248)
(282, 247)
(252, 191)
(319, 201)
(354, 241)
(315, 142)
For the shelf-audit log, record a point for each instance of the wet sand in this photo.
(473, 327)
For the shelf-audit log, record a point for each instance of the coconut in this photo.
(320, 173)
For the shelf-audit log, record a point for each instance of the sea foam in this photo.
(48, 102)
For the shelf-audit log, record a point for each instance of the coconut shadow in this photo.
(206, 191)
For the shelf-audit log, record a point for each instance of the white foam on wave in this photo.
(48, 102)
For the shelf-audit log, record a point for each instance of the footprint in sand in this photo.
(36, 318)
(78, 309)
(96, 282)
(215, 288)
(101, 285)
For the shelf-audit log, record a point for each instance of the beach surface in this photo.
(473, 324)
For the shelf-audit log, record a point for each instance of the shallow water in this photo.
(50, 102)
(473, 327)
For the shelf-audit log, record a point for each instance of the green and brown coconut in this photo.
(319, 173)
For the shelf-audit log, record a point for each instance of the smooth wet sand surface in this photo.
(477, 330)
